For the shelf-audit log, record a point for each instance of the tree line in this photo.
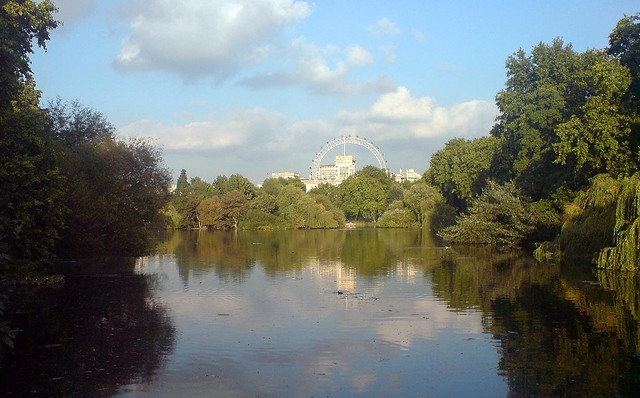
(565, 118)
(370, 195)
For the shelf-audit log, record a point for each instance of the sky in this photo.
(253, 87)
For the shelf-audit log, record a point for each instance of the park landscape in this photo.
(543, 207)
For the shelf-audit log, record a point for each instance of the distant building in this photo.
(286, 175)
(346, 166)
(408, 175)
(343, 167)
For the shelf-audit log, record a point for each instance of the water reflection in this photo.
(87, 337)
(331, 313)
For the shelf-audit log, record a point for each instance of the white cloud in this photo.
(198, 38)
(400, 115)
(241, 128)
(418, 35)
(384, 27)
(358, 56)
(314, 72)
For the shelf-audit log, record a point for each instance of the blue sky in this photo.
(259, 86)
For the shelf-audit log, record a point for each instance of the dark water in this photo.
(370, 313)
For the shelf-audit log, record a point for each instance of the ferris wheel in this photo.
(315, 165)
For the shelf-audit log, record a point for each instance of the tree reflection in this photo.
(559, 336)
(87, 337)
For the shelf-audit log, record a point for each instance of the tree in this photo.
(21, 23)
(365, 193)
(561, 122)
(429, 206)
(624, 44)
(210, 213)
(233, 204)
(31, 214)
(596, 138)
(461, 169)
(542, 91)
(115, 188)
(498, 217)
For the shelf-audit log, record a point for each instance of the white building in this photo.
(408, 175)
(285, 175)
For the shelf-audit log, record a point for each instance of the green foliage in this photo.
(624, 43)
(31, 185)
(233, 204)
(624, 253)
(222, 185)
(365, 193)
(115, 190)
(397, 218)
(596, 139)
(31, 198)
(21, 24)
(461, 168)
(588, 222)
(329, 190)
(498, 217)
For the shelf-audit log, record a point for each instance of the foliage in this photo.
(234, 205)
(624, 253)
(365, 193)
(429, 206)
(397, 218)
(596, 139)
(588, 223)
(329, 190)
(222, 185)
(21, 24)
(624, 43)
(498, 216)
(461, 169)
(559, 120)
(32, 189)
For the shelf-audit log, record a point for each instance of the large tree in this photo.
(559, 119)
(365, 193)
(31, 213)
(115, 188)
(461, 169)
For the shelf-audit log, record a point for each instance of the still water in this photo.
(338, 313)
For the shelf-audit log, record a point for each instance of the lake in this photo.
(326, 313)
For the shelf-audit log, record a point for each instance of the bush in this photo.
(499, 217)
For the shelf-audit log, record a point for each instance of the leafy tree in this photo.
(115, 188)
(234, 204)
(264, 202)
(223, 184)
(329, 190)
(461, 169)
(31, 213)
(429, 206)
(624, 43)
(210, 213)
(22, 23)
(241, 184)
(365, 193)
(542, 91)
(596, 138)
(560, 120)
(498, 216)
